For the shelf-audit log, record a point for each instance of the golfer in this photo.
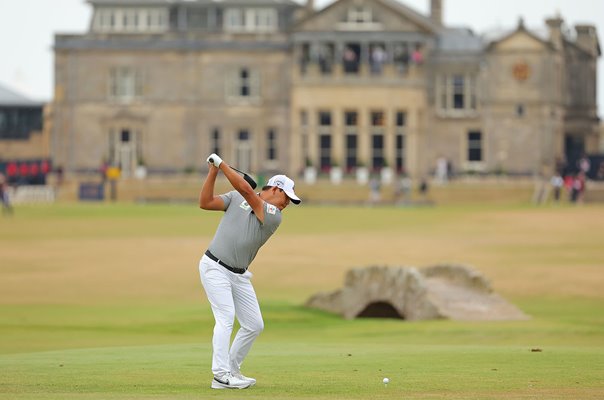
(249, 220)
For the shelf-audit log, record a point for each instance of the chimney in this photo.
(555, 31)
(587, 39)
(436, 11)
(310, 6)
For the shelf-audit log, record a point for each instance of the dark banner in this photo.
(26, 171)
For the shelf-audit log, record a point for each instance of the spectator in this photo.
(4, 198)
(417, 56)
(374, 186)
(584, 164)
(378, 58)
(423, 188)
(578, 188)
(442, 170)
(557, 182)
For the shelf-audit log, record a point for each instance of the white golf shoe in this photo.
(239, 375)
(228, 381)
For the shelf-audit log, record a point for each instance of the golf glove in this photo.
(215, 160)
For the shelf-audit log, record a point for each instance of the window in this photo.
(304, 142)
(359, 14)
(324, 118)
(377, 118)
(131, 19)
(243, 149)
(125, 83)
(520, 110)
(243, 84)
(250, 20)
(474, 146)
(271, 141)
(400, 153)
(19, 122)
(233, 19)
(215, 141)
(377, 151)
(351, 118)
(325, 152)
(456, 93)
(197, 18)
(351, 151)
(244, 135)
(357, 17)
(400, 119)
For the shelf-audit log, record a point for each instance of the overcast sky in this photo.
(27, 28)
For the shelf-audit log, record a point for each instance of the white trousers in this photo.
(230, 295)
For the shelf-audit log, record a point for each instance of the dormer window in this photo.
(130, 20)
(359, 15)
(250, 20)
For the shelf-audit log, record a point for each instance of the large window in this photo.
(306, 161)
(400, 138)
(325, 152)
(19, 122)
(215, 141)
(125, 83)
(271, 145)
(400, 153)
(351, 151)
(377, 152)
(475, 144)
(456, 93)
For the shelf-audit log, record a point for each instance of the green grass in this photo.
(63, 338)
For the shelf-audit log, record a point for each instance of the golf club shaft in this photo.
(247, 178)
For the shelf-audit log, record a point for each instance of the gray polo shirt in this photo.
(240, 234)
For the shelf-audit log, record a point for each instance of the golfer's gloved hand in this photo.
(215, 160)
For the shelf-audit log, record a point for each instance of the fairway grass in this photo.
(104, 302)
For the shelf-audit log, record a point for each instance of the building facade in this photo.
(277, 86)
(24, 138)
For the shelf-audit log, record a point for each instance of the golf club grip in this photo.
(249, 180)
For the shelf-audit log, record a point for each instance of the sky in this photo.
(27, 29)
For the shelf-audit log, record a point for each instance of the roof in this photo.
(201, 2)
(10, 98)
(459, 40)
(419, 19)
(414, 15)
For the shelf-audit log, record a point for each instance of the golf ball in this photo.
(386, 381)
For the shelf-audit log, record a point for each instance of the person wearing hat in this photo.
(249, 220)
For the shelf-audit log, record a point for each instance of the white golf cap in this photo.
(286, 184)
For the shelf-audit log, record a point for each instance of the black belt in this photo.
(214, 258)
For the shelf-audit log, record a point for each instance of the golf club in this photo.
(247, 178)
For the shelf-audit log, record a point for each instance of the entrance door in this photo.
(123, 144)
(574, 147)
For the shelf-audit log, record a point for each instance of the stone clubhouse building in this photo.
(274, 85)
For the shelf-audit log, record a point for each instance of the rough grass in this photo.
(104, 302)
